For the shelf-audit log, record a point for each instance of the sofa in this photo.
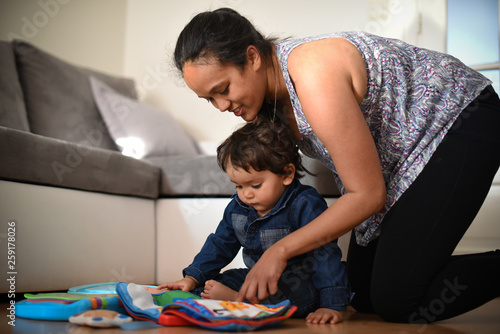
(95, 185)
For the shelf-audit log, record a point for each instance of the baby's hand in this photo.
(324, 316)
(154, 291)
(168, 286)
(186, 284)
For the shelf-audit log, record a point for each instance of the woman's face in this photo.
(228, 87)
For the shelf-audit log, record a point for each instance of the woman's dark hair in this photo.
(223, 35)
(261, 145)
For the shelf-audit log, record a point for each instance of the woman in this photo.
(410, 134)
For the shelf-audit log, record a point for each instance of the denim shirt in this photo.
(241, 227)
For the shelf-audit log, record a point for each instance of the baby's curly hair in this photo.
(261, 145)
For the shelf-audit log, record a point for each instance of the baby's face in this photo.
(258, 189)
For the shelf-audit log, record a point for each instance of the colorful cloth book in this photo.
(212, 314)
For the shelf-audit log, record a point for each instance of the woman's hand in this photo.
(262, 280)
(325, 316)
(188, 283)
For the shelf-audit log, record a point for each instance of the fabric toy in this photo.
(211, 314)
(99, 288)
(100, 318)
(229, 316)
(61, 297)
(61, 306)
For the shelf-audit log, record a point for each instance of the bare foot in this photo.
(218, 291)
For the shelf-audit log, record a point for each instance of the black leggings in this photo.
(408, 274)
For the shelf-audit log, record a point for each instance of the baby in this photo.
(263, 161)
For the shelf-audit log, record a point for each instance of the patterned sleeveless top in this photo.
(413, 97)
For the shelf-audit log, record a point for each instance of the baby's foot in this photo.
(218, 291)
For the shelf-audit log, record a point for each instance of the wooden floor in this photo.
(484, 320)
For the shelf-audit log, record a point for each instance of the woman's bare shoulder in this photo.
(330, 57)
(332, 50)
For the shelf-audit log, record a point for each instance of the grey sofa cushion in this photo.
(31, 158)
(58, 97)
(12, 109)
(323, 179)
(140, 129)
(192, 176)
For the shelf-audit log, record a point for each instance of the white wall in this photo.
(153, 27)
(85, 32)
(136, 38)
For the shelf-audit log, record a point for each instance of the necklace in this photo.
(275, 91)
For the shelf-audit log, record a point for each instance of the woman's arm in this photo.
(330, 80)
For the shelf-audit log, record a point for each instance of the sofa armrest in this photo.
(31, 158)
